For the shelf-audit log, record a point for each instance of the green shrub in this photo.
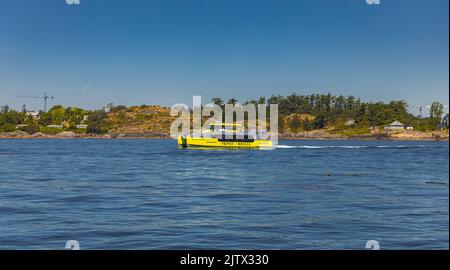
(7, 127)
(48, 130)
(31, 128)
(97, 116)
(99, 127)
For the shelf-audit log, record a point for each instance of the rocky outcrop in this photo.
(373, 136)
(315, 134)
(400, 135)
(39, 135)
(14, 134)
(418, 135)
(68, 134)
(140, 135)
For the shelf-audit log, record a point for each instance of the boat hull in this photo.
(214, 142)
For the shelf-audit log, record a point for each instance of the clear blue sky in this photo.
(164, 52)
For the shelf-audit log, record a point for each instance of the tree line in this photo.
(296, 112)
(328, 109)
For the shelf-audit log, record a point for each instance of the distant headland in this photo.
(300, 117)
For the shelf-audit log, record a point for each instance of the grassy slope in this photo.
(141, 119)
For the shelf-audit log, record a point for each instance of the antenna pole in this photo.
(45, 101)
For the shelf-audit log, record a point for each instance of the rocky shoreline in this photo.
(396, 136)
(73, 135)
(312, 135)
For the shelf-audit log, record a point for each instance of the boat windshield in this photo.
(222, 130)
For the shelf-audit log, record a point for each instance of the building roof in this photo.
(396, 123)
(32, 113)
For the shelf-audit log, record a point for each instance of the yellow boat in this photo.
(218, 136)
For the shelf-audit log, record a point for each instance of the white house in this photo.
(396, 125)
(21, 126)
(33, 114)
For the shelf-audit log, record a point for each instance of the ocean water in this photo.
(149, 194)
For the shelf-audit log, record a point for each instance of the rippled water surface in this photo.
(148, 194)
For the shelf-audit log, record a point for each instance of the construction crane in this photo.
(45, 97)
